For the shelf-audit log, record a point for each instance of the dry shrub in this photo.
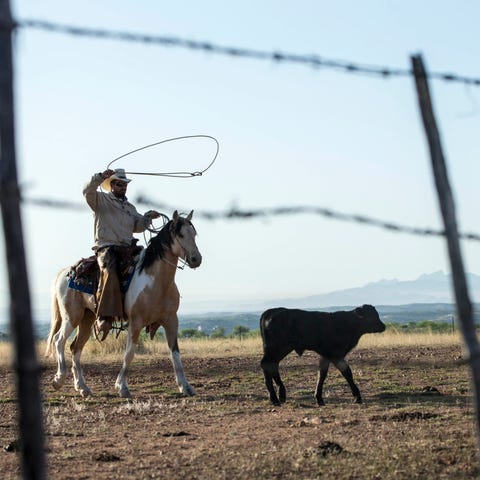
(204, 347)
(113, 347)
(396, 338)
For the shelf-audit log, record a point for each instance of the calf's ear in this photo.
(359, 312)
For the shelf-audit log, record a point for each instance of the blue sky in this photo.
(289, 135)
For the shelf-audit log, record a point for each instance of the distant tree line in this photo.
(241, 331)
(238, 331)
(424, 326)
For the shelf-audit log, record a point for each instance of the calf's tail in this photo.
(265, 317)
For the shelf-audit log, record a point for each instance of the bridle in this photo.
(154, 230)
(184, 262)
(180, 258)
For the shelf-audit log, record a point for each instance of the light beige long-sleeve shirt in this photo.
(115, 219)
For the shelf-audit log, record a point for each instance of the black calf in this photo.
(331, 335)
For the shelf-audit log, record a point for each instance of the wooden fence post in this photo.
(447, 207)
(25, 362)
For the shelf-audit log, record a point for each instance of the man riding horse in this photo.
(115, 219)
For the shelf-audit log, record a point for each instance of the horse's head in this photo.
(183, 234)
(177, 236)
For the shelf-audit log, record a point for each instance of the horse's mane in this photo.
(160, 242)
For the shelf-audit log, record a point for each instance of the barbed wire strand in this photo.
(239, 214)
(312, 60)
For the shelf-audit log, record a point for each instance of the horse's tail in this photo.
(55, 320)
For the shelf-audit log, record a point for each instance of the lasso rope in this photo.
(152, 229)
(171, 174)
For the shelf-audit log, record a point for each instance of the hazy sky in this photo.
(289, 135)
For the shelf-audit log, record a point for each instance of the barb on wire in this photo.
(314, 61)
(51, 203)
(235, 213)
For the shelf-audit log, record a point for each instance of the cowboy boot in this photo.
(103, 325)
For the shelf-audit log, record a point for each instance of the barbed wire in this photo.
(312, 60)
(239, 214)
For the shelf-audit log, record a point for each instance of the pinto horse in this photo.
(151, 300)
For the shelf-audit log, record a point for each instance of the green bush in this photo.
(240, 331)
(191, 333)
(218, 332)
(422, 327)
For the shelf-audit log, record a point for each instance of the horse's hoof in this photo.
(187, 390)
(85, 392)
(125, 393)
(57, 383)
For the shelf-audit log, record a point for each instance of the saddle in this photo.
(84, 275)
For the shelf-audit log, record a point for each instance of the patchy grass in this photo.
(112, 348)
(417, 419)
(395, 338)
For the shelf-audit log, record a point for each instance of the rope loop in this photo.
(197, 173)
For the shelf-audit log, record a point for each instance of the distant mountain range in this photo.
(428, 288)
(435, 287)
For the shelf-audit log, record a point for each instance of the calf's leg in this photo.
(270, 371)
(342, 365)
(322, 375)
(282, 392)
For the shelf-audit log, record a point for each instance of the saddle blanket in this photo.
(83, 276)
(90, 288)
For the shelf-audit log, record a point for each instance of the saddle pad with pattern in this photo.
(83, 276)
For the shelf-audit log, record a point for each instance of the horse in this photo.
(152, 300)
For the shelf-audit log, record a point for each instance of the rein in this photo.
(180, 267)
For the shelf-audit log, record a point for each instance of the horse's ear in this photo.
(174, 220)
(190, 215)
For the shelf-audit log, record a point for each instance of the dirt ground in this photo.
(416, 420)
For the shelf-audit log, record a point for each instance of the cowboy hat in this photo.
(118, 175)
